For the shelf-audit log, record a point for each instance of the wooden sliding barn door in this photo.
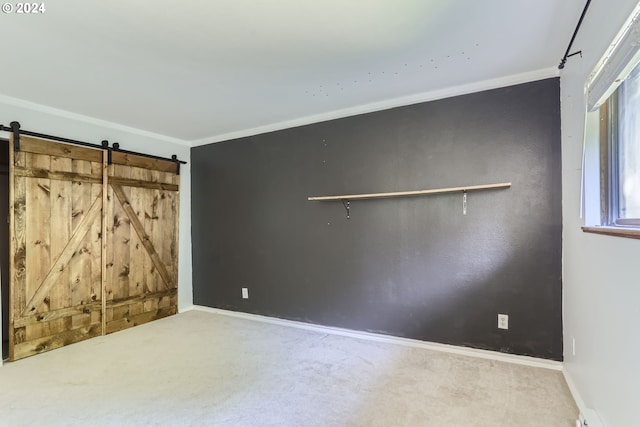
(68, 283)
(142, 241)
(55, 230)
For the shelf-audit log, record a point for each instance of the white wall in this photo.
(43, 120)
(601, 273)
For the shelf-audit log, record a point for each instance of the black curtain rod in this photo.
(15, 127)
(568, 55)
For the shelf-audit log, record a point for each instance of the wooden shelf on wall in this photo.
(411, 193)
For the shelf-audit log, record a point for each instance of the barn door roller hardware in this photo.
(568, 55)
(14, 127)
(347, 198)
(105, 146)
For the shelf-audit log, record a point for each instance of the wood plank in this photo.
(63, 259)
(38, 236)
(47, 343)
(175, 248)
(131, 321)
(110, 208)
(166, 232)
(144, 238)
(154, 224)
(142, 162)
(150, 304)
(164, 303)
(58, 175)
(411, 193)
(17, 248)
(160, 222)
(60, 200)
(125, 182)
(152, 279)
(614, 231)
(150, 225)
(138, 254)
(81, 193)
(58, 149)
(106, 210)
(121, 248)
(79, 267)
(19, 275)
(142, 298)
(82, 309)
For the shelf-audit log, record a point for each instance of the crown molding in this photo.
(511, 80)
(21, 103)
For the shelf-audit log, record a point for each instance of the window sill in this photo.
(631, 233)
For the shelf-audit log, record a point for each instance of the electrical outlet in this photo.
(573, 345)
(245, 293)
(503, 321)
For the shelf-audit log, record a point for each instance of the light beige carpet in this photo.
(204, 369)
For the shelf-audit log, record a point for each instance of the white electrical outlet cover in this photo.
(245, 293)
(503, 321)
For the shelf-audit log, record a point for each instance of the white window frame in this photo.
(614, 67)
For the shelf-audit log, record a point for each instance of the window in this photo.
(620, 154)
(610, 199)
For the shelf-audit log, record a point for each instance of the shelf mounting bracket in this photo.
(347, 206)
(464, 202)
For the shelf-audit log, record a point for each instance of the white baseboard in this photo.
(588, 414)
(483, 354)
(574, 391)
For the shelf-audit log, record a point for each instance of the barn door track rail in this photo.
(14, 127)
(347, 198)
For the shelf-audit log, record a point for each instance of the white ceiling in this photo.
(203, 70)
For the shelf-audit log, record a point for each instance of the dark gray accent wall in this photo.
(411, 267)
